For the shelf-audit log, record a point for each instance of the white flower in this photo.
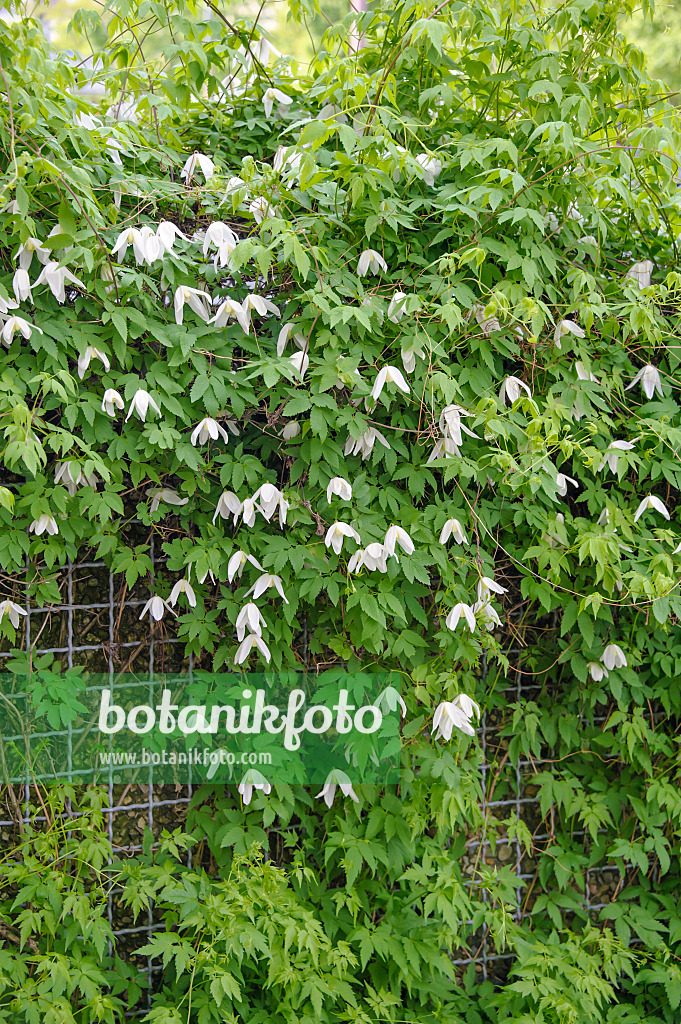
(262, 209)
(151, 247)
(455, 614)
(456, 714)
(640, 272)
(371, 262)
(388, 375)
(430, 166)
(611, 454)
(365, 444)
(453, 528)
(198, 300)
(64, 475)
(397, 535)
(253, 779)
(649, 377)
(7, 304)
(409, 357)
(260, 305)
(373, 557)
(597, 671)
(167, 494)
(487, 587)
(182, 587)
(613, 657)
(13, 610)
(228, 505)
(396, 308)
(207, 429)
(269, 498)
(130, 236)
(246, 646)
(567, 327)
(236, 564)
(14, 324)
(334, 779)
(489, 325)
(286, 161)
(651, 501)
(44, 524)
(111, 401)
(250, 617)
(300, 362)
(585, 374)
(263, 583)
(141, 401)
(284, 335)
(157, 608)
(290, 430)
(204, 163)
(562, 481)
(338, 485)
(55, 277)
(26, 250)
(336, 533)
(89, 354)
(233, 185)
(487, 615)
(272, 96)
(389, 700)
(218, 234)
(451, 425)
(167, 232)
(21, 283)
(511, 389)
(229, 309)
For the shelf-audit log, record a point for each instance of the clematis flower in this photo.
(64, 475)
(167, 232)
(87, 356)
(269, 498)
(286, 162)
(651, 501)
(262, 209)
(397, 535)
(260, 305)
(430, 166)
(388, 375)
(335, 779)
(487, 586)
(284, 335)
(231, 309)
(409, 357)
(251, 617)
(611, 454)
(236, 564)
(228, 505)
(373, 557)
(640, 273)
(453, 528)
(250, 641)
(272, 96)
(567, 327)
(365, 443)
(56, 277)
(263, 583)
(456, 714)
(613, 657)
(562, 481)
(152, 247)
(182, 587)
(204, 164)
(167, 494)
(597, 671)
(14, 324)
(207, 429)
(452, 620)
(389, 700)
(198, 300)
(141, 402)
(290, 430)
(156, 607)
(13, 611)
(371, 262)
(253, 779)
(584, 374)
(44, 524)
(300, 362)
(26, 250)
(451, 424)
(649, 378)
(130, 236)
(511, 389)
(341, 487)
(111, 401)
(396, 308)
(486, 614)
(336, 534)
(218, 234)
(21, 283)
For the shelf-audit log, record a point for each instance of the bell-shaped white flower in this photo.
(597, 671)
(26, 251)
(127, 237)
(300, 362)
(334, 780)
(228, 505)
(456, 714)
(388, 375)
(231, 309)
(12, 610)
(390, 700)
(371, 262)
(486, 615)
(453, 528)
(250, 641)
(208, 429)
(86, 358)
(612, 453)
(487, 586)
(44, 524)
(218, 234)
(263, 583)
(112, 401)
(260, 305)
(511, 390)
(409, 357)
(284, 335)
(198, 300)
(166, 494)
(253, 779)
(268, 498)
(262, 209)
(290, 430)
(249, 618)
(564, 327)
(651, 501)
(236, 564)
(562, 482)
(649, 378)
(197, 161)
(272, 96)
(461, 609)
(156, 607)
(21, 283)
(640, 273)
(64, 474)
(397, 307)
(167, 232)
(584, 374)
(56, 278)
(373, 557)
(430, 166)
(336, 534)
(613, 657)
(182, 587)
(397, 535)
(141, 403)
(365, 443)
(287, 163)
(339, 486)
(14, 324)
(452, 425)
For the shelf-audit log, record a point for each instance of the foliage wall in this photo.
(440, 274)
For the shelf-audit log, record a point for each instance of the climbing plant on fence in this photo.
(381, 354)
